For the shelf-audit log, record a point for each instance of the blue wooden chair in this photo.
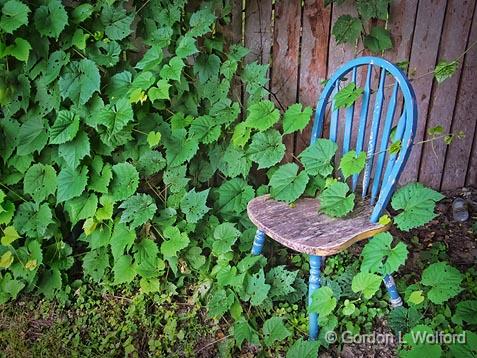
(301, 227)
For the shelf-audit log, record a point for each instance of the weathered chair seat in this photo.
(303, 228)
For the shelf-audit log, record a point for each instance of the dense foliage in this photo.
(126, 161)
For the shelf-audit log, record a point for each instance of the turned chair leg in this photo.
(258, 242)
(396, 300)
(314, 284)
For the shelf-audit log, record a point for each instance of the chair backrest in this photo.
(380, 185)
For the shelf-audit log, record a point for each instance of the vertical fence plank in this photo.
(313, 61)
(425, 45)
(401, 26)
(453, 43)
(258, 30)
(233, 36)
(458, 155)
(286, 44)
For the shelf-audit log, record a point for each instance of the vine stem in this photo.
(213, 343)
(14, 192)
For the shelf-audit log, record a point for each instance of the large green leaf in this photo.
(31, 220)
(347, 29)
(125, 181)
(266, 148)
(443, 280)
(40, 181)
(138, 209)
(225, 236)
(80, 81)
(65, 127)
(317, 157)
(377, 9)
(367, 283)
(117, 23)
(347, 96)
(75, 150)
(82, 207)
(14, 15)
(193, 205)
(286, 184)
(51, 18)
(304, 349)
(71, 183)
(124, 270)
(256, 289)
(379, 257)
(234, 196)
(335, 201)
(274, 330)
(176, 241)
(294, 119)
(352, 163)
(323, 302)
(262, 115)
(417, 204)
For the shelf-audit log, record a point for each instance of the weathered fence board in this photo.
(286, 45)
(295, 38)
(425, 46)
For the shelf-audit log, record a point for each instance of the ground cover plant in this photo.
(127, 164)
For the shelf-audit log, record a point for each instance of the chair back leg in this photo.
(314, 284)
(396, 300)
(258, 242)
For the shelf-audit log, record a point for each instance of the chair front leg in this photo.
(314, 284)
(258, 242)
(396, 300)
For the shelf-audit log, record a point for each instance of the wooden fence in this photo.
(294, 37)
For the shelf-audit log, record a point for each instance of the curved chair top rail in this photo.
(383, 184)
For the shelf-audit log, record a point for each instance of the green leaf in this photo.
(32, 136)
(234, 196)
(117, 23)
(234, 162)
(256, 288)
(125, 181)
(95, 263)
(225, 236)
(193, 205)
(219, 303)
(465, 311)
(10, 234)
(352, 163)
(296, 120)
(124, 270)
(274, 330)
(367, 283)
(266, 148)
(417, 204)
(121, 240)
(20, 50)
(204, 129)
(80, 81)
(317, 157)
(444, 282)
(71, 183)
(116, 117)
(379, 257)
(40, 181)
(334, 200)
(138, 209)
(377, 9)
(423, 350)
(445, 69)
(241, 134)
(159, 92)
(6, 259)
(65, 127)
(172, 70)
(378, 40)
(82, 207)
(262, 115)
(186, 47)
(347, 96)
(151, 59)
(153, 139)
(31, 220)
(14, 15)
(51, 18)
(416, 297)
(179, 149)
(244, 332)
(323, 302)
(281, 281)
(207, 67)
(50, 283)
(286, 185)
(175, 243)
(303, 349)
(74, 151)
(347, 29)
(81, 12)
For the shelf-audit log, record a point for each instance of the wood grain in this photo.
(441, 110)
(286, 44)
(304, 229)
(258, 30)
(313, 60)
(427, 32)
